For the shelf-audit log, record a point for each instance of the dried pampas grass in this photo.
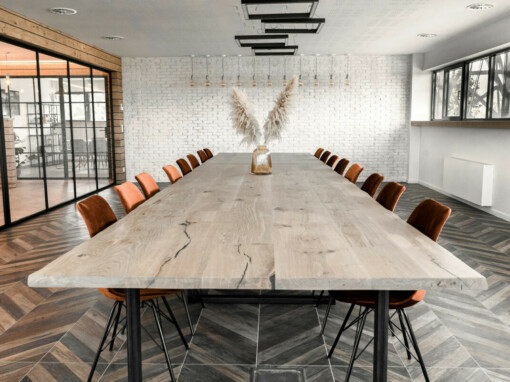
(279, 116)
(244, 120)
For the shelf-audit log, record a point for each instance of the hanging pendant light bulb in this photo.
(331, 82)
(207, 83)
(8, 81)
(300, 83)
(269, 83)
(254, 83)
(222, 83)
(347, 81)
(191, 82)
(316, 82)
(284, 83)
(238, 83)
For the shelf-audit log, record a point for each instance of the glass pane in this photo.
(22, 128)
(83, 128)
(501, 92)
(103, 129)
(438, 96)
(477, 89)
(454, 92)
(57, 136)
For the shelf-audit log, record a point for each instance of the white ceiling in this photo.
(183, 27)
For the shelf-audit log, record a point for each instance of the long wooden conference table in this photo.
(302, 228)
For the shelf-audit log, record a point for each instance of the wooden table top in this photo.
(303, 228)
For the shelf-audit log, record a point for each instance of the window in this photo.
(501, 86)
(474, 90)
(477, 89)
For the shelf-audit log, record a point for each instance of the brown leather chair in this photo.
(372, 183)
(353, 172)
(98, 215)
(390, 194)
(331, 161)
(203, 156)
(193, 160)
(325, 156)
(148, 184)
(429, 217)
(173, 174)
(318, 152)
(183, 164)
(129, 195)
(341, 166)
(209, 153)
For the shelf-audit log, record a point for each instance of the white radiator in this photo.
(469, 180)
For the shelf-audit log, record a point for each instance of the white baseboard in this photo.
(489, 210)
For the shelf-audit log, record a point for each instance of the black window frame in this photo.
(464, 89)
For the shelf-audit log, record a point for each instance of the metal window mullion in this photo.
(433, 97)
(94, 126)
(71, 127)
(42, 150)
(112, 128)
(490, 90)
(464, 91)
(4, 175)
(446, 76)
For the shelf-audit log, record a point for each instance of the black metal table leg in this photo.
(134, 341)
(381, 336)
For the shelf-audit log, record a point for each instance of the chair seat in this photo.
(145, 294)
(367, 298)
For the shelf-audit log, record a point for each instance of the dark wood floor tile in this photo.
(57, 371)
(14, 371)
(364, 374)
(215, 373)
(459, 374)
(152, 372)
(226, 334)
(289, 335)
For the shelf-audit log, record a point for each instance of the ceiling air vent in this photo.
(112, 38)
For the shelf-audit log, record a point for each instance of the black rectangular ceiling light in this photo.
(269, 50)
(248, 41)
(278, 9)
(292, 25)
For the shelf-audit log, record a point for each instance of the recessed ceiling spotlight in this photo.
(480, 6)
(427, 35)
(112, 38)
(63, 11)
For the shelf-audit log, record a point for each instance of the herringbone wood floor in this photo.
(51, 335)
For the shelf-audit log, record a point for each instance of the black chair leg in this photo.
(319, 298)
(183, 295)
(103, 340)
(404, 333)
(162, 337)
(115, 325)
(359, 332)
(327, 314)
(342, 328)
(174, 320)
(415, 345)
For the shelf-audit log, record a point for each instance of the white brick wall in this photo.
(366, 122)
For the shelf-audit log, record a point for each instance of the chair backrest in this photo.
(97, 214)
(173, 174)
(185, 168)
(341, 166)
(429, 218)
(193, 160)
(129, 195)
(208, 152)
(353, 172)
(148, 184)
(372, 183)
(325, 155)
(203, 156)
(390, 194)
(331, 161)
(318, 152)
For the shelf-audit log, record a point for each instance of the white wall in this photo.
(480, 144)
(367, 122)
